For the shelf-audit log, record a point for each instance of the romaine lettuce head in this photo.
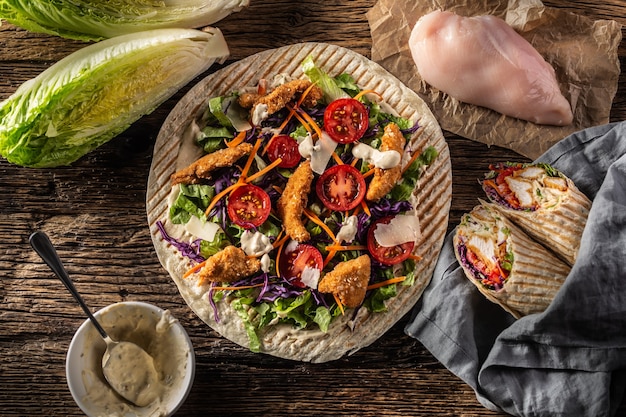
(97, 92)
(98, 19)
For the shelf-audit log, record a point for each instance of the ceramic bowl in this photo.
(148, 326)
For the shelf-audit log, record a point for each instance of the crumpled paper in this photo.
(583, 53)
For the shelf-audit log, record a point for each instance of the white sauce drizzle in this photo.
(348, 230)
(382, 160)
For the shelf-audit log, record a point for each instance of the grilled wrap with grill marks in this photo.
(543, 202)
(505, 264)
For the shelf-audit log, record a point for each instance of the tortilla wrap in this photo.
(174, 149)
(534, 274)
(552, 209)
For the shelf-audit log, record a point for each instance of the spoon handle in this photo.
(42, 245)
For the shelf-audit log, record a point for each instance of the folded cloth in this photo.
(569, 360)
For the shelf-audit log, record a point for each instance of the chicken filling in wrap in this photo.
(526, 187)
(483, 248)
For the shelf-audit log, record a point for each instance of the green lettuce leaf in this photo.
(328, 84)
(94, 94)
(97, 19)
(404, 188)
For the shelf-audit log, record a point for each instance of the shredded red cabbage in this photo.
(478, 275)
(210, 293)
(385, 207)
(189, 250)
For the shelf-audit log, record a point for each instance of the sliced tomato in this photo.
(346, 120)
(499, 184)
(388, 255)
(292, 263)
(341, 187)
(249, 206)
(494, 278)
(286, 148)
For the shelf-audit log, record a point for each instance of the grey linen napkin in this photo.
(571, 359)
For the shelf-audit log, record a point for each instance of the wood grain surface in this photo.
(94, 211)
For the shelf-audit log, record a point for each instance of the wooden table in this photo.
(94, 211)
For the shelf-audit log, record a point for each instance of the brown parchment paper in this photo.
(583, 53)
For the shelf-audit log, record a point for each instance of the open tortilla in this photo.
(173, 150)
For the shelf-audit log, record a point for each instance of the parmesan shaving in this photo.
(401, 229)
(204, 230)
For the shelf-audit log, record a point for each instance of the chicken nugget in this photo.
(201, 168)
(384, 179)
(247, 100)
(228, 265)
(294, 199)
(348, 281)
(278, 98)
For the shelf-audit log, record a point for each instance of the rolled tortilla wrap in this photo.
(505, 264)
(543, 202)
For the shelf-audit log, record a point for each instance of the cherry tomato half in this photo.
(249, 206)
(341, 187)
(286, 148)
(346, 120)
(388, 255)
(292, 263)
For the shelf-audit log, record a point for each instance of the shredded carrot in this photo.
(339, 304)
(237, 139)
(337, 158)
(345, 247)
(280, 242)
(292, 113)
(369, 173)
(267, 145)
(264, 170)
(366, 209)
(298, 116)
(242, 287)
(279, 253)
(311, 122)
(320, 223)
(329, 257)
(246, 167)
(415, 155)
(490, 183)
(305, 93)
(194, 269)
(221, 194)
(277, 189)
(354, 162)
(385, 283)
(363, 92)
(357, 210)
(242, 179)
(416, 258)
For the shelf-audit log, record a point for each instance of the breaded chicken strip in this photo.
(281, 95)
(348, 281)
(201, 169)
(228, 265)
(384, 179)
(294, 199)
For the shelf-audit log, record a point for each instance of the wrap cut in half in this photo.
(543, 202)
(505, 264)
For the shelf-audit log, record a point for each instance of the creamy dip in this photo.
(130, 371)
(164, 343)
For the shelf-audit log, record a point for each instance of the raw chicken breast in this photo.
(481, 60)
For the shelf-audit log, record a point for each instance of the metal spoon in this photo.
(128, 368)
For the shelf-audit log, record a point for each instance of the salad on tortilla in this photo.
(301, 208)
